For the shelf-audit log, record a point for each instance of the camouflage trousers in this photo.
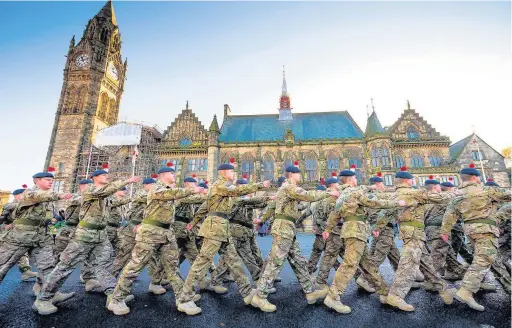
(42, 255)
(485, 254)
(250, 257)
(356, 255)
(285, 249)
(113, 237)
(124, 247)
(61, 242)
(442, 253)
(203, 262)
(188, 249)
(414, 255)
(500, 270)
(316, 253)
(165, 255)
(460, 247)
(334, 247)
(98, 254)
(384, 246)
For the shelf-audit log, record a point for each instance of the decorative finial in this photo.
(373, 107)
(285, 89)
(367, 112)
(186, 106)
(408, 105)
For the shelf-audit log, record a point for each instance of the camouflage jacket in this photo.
(351, 203)
(385, 222)
(134, 213)
(475, 203)
(434, 216)
(412, 217)
(184, 214)
(241, 225)
(71, 214)
(319, 211)
(117, 209)
(161, 207)
(372, 213)
(287, 204)
(94, 210)
(502, 217)
(219, 203)
(6, 216)
(269, 212)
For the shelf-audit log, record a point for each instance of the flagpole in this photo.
(88, 162)
(134, 158)
(479, 154)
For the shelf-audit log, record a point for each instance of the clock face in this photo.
(112, 70)
(82, 60)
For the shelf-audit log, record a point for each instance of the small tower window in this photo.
(412, 133)
(185, 142)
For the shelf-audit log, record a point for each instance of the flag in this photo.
(135, 154)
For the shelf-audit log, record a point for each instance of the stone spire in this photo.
(214, 127)
(107, 12)
(373, 125)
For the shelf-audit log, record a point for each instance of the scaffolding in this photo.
(120, 158)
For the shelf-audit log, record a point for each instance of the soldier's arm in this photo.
(171, 194)
(373, 202)
(120, 202)
(201, 213)
(450, 217)
(332, 221)
(503, 213)
(6, 212)
(30, 197)
(194, 199)
(300, 194)
(227, 190)
(500, 195)
(383, 218)
(268, 212)
(104, 191)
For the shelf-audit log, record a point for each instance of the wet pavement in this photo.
(88, 310)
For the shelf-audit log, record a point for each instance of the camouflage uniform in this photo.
(384, 244)
(244, 238)
(285, 245)
(126, 235)
(216, 233)
(71, 215)
(334, 246)
(442, 253)
(474, 207)
(29, 234)
(115, 217)
(186, 239)
(355, 232)
(414, 250)
(90, 242)
(501, 266)
(155, 239)
(6, 218)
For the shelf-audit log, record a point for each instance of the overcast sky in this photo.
(452, 60)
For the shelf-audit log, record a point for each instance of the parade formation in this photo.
(113, 237)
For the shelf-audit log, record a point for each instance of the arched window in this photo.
(112, 111)
(435, 159)
(268, 167)
(311, 167)
(247, 166)
(289, 158)
(375, 156)
(416, 160)
(357, 161)
(104, 35)
(68, 103)
(103, 106)
(333, 163)
(80, 100)
(412, 132)
(399, 161)
(385, 156)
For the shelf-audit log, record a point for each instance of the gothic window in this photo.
(103, 107)
(70, 94)
(359, 176)
(375, 156)
(416, 160)
(385, 156)
(412, 133)
(79, 102)
(311, 167)
(112, 111)
(193, 165)
(399, 161)
(434, 159)
(247, 165)
(268, 167)
(58, 186)
(289, 158)
(203, 164)
(104, 35)
(355, 161)
(475, 155)
(185, 142)
(388, 180)
(333, 163)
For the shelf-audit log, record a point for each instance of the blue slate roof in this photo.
(373, 126)
(305, 126)
(457, 148)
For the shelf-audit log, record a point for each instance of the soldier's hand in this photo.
(376, 233)
(198, 190)
(136, 228)
(257, 221)
(373, 187)
(133, 180)
(334, 193)
(266, 183)
(189, 226)
(401, 203)
(65, 196)
(325, 235)
(8, 226)
(445, 238)
(273, 197)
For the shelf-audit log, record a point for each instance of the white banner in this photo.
(122, 134)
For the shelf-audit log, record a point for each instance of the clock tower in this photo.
(93, 83)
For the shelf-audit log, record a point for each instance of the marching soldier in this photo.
(116, 215)
(216, 237)
(474, 206)
(154, 239)
(355, 232)
(414, 252)
(501, 266)
(90, 242)
(6, 218)
(285, 245)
